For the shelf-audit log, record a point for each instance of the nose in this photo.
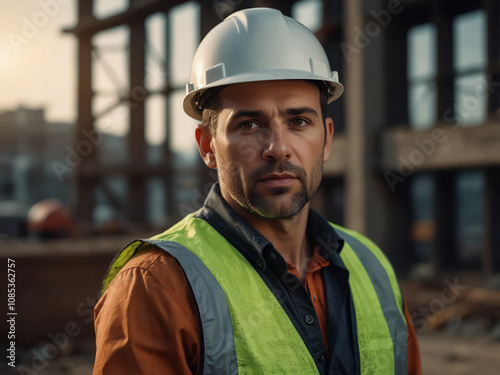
(277, 145)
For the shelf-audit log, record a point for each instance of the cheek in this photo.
(311, 149)
(243, 151)
(231, 155)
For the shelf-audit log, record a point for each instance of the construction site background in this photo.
(415, 162)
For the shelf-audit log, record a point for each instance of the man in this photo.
(255, 282)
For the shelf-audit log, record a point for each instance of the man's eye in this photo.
(247, 125)
(298, 122)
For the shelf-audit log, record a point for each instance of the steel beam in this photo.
(88, 24)
(83, 192)
(136, 187)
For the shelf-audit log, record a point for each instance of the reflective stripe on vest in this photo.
(218, 340)
(371, 278)
(243, 322)
(257, 329)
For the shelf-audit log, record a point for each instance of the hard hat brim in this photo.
(335, 88)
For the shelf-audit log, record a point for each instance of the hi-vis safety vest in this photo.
(243, 322)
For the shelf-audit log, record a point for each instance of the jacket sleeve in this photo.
(146, 322)
(414, 362)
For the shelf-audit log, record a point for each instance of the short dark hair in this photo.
(212, 106)
(211, 110)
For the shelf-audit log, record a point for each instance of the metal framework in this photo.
(371, 118)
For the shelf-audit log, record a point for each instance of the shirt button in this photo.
(272, 256)
(309, 319)
(320, 357)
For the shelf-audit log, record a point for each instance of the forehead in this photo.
(269, 94)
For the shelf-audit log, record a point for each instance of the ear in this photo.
(204, 140)
(328, 139)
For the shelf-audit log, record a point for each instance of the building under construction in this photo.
(415, 162)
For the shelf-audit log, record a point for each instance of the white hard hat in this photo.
(257, 44)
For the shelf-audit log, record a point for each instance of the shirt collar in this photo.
(251, 243)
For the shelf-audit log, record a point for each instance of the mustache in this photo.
(278, 167)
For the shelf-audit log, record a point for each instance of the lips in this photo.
(278, 179)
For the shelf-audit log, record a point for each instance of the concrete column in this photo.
(492, 9)
(136, 183)
(168, 162)
(491, 253)
(444, 253)
(355, 177)
(445, 245)
(83, 186)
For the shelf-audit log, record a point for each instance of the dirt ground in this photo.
(448, 354)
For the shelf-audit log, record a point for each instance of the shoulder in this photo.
(151, 265)
(149, 258)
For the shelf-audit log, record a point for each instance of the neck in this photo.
(287, 235)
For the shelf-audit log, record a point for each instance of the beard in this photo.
(279, 202)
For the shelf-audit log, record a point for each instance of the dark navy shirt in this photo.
(289, 291)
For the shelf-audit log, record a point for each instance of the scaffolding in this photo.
(373, 132)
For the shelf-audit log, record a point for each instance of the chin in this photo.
(279, 207)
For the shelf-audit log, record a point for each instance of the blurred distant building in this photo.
(36, 163)
(28, 143)
(415, 162)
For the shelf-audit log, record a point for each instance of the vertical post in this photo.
(399, 247)
(492, 9)
(366, 191)
(83, 191)
(445, 77)
(171, 208)
(136, 199)
(445, 245)
(355, 177)
(491, 254)
(396, 72)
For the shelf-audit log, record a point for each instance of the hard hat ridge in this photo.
(257, 44)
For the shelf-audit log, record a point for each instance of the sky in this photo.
(38, 63)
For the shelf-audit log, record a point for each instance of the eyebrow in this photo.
(246, 113)
(301, 111)
(287, 112)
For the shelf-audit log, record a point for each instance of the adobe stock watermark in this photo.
(371, 30)
(471, 103)
(253, 147)
(91, 139)
(225, 7)
(406, 167)
(425, 148)
(75, 155)
(448, 295)
(58, 342)
(30, 26)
